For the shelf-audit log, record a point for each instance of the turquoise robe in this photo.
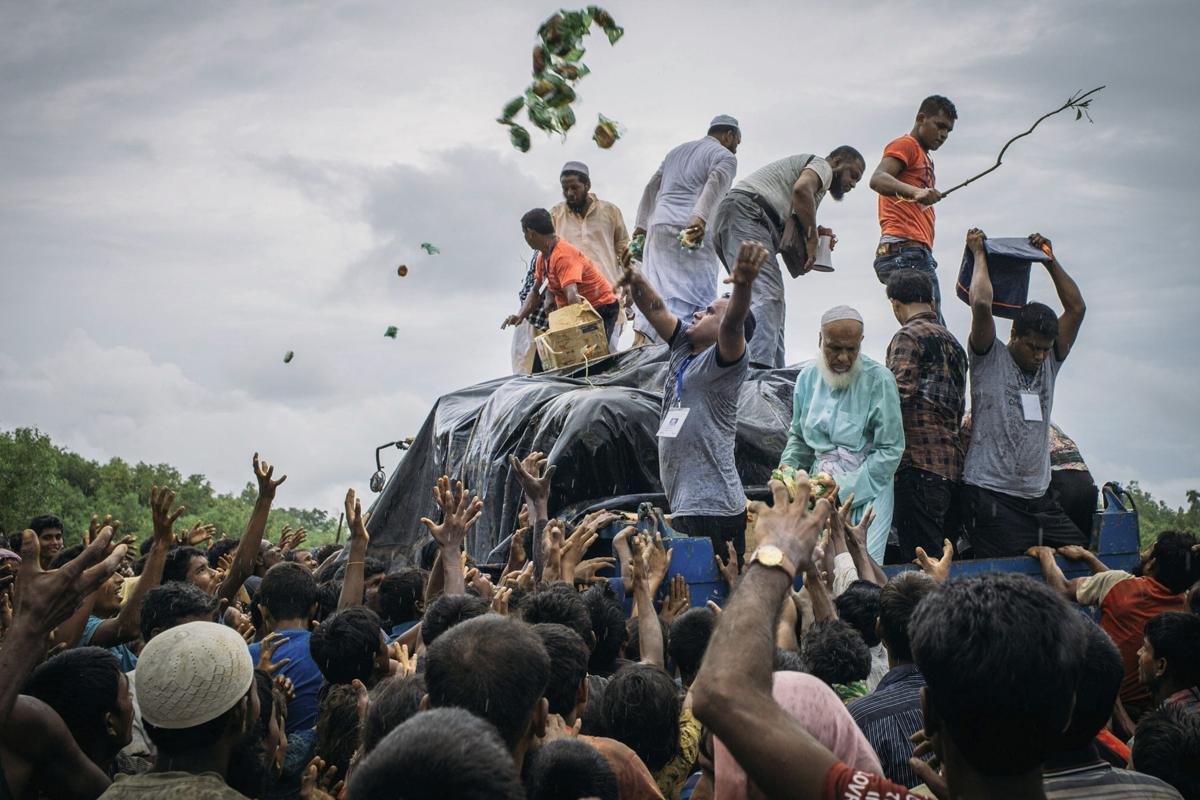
(856, 435)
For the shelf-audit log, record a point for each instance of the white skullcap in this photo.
(191, 674)
(838, 313)
(724, 120)
(576, 166)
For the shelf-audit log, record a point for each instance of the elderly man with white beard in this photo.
(846, 422)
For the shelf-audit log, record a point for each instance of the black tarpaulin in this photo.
(596, 424)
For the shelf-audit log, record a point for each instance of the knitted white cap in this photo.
(191, 674)
(576, 166)
(838, 313)
(723, 120)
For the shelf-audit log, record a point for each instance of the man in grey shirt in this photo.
(700, 401)
(1007, 503)
(756, 210)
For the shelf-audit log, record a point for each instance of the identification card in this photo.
(1031, 404)
(672, 422)
(545, 284)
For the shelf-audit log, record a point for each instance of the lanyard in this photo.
(679, 380)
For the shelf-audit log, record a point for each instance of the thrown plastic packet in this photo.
(637, 246)
(607, 132)
(288, 356)
(688, 245)
(429, 248)
(391, 332)
(402, 270)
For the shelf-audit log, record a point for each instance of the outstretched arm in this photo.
(731, 336)
(1053, 575)
(354, 579)
(247, 549)
(649, 302)
(983, 325)
(1069, 295)
(732, 692)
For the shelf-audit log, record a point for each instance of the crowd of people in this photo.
(193, 666)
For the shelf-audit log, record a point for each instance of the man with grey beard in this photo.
(846, 422)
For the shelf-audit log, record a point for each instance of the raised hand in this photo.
(46, 599)
(264, 472)
(789, 524)
(585, 571)
(516, 550)
(938, 570)
(750, 258)
(729, 568)
(96, 525)
(285, 686)
(320, 783)
(533, 474)
(553, 542)
(459, 512)
(163, 517)
(406, 663)
(1074, 552)
(975, 240)
(482, 583)
(656, 560)
(266, 654)
(677, 601)
(581, 540)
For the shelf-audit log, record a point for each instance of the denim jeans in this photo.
(915, 258)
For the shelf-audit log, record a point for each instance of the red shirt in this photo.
(844, 782)
(569, 266)
(907, 220)
(1124, 612)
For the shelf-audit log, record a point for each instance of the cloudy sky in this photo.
(189, 190)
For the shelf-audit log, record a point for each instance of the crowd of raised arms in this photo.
(192, 666)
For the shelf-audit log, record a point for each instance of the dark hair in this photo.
(449, 610)
(587, 179)
(1176, 567)
(1175, 636)
(346, 645)
(219, 548)
(718, 130)
(909, 286)
(834, 651)
(200, 737)
(80, 684)
(492, 666)
(641, 709)
(337, 726)
(248, 772)
(558, 602)
(788, 661)
(1035, 319)
(324, 551)
(66, 555)
(328, 596)
(973, 640)
(859, 606)
(568, 655)
(936, 104)
(446, 752)
(897, 600)
(1100, 674)
(689, 636)
(371, 566)
(168, 605)
(393, 702)
(144, 547)
(1193, 598)
(179, 562)
(538, 220)
(567, 769)
(287, 591)
(44, 523)
(400, 595)
(428, 554)
(846, 153)
(1167, 746)
(608, 626)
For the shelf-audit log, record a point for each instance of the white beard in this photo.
(838, 380)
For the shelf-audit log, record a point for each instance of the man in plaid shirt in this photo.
(931, 375)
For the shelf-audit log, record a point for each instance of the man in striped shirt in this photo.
(891, 714)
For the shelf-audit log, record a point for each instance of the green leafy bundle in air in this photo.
(557, 65)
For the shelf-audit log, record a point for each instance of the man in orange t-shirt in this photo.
(905, 182)
(565, 272)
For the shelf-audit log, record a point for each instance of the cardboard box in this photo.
(576, 335)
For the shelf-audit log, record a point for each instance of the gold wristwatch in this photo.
(771, 556)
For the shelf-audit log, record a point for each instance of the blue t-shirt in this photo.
(124, 654)
(304, 674)
(401, 629)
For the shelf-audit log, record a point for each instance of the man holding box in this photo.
(1007, 503)
(708, 364)
(564, 272)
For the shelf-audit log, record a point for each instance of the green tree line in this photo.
(38, 477)
(1155, 516)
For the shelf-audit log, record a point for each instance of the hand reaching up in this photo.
(459, 512)
(939, 570)
(266, 654)
(678, 601)
(533, 474)
(264, 472)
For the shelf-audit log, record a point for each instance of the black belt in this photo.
(766, 207)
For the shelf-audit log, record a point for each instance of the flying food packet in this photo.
(602, 18)
(288, 356)
(637, 246)
(510, 109)
(519, 137)
(607, 132)
(402, 270)
(429, 248)
(687, 244)
(391, 332)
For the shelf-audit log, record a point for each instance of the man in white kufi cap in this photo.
(846, 422)
(682, 196)
(196, 692)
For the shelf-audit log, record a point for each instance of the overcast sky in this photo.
(190, 190)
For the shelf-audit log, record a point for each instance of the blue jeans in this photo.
(916, 258)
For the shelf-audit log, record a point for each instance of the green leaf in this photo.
(1078, 114)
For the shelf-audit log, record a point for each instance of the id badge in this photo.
(672, 422)
(545, 285)
(1031, 404)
